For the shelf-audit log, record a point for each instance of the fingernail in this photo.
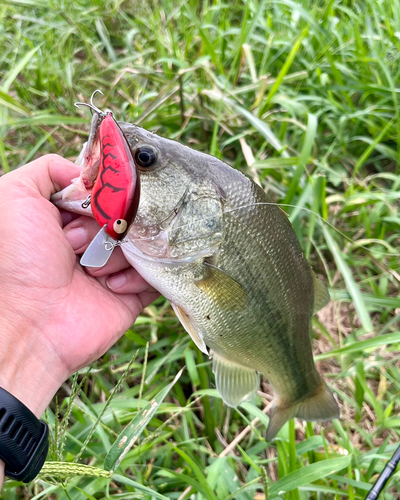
(116, 282)
(77, 237)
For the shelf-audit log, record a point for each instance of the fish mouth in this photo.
(74, 196)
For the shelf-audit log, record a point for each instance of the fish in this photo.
(211, 241)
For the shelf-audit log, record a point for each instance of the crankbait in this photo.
(115, 195)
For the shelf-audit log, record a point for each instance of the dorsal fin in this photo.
(321, 294)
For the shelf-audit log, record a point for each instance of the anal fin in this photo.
(188, 326)
(234, 382)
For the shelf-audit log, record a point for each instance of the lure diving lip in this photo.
(116, 191)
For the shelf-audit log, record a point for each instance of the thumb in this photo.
(46, 175)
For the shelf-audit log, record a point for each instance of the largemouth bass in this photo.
(208, 239)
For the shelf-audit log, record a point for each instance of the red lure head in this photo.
(115, 194)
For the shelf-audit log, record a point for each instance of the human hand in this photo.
(55, 317)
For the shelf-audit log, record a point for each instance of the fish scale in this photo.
(264, 291)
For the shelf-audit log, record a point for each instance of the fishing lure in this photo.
(116, 191)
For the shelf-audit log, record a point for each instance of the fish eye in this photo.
(145, 156)
(120, 226)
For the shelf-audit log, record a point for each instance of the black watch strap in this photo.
(24, 439)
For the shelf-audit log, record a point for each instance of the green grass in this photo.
(311, 90)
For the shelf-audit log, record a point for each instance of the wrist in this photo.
(24, 439)
(28, 370)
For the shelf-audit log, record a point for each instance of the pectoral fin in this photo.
(223, 290)
(188, 326)
(234, 382)
(321, 294)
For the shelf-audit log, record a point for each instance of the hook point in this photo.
(91, 105)
(97, 91)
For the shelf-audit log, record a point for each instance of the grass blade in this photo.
(367, 153)
(138, 486)
(362, 345)
(258, 124)
(12, 75)
(308, 474)
(285, 68)
(311, 131)
(134, 429)
(352, 286)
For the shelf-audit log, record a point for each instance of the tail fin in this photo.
(320, 406)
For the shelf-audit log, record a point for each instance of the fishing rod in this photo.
(384, 476)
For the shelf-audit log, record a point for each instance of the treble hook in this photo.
(91, 105)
